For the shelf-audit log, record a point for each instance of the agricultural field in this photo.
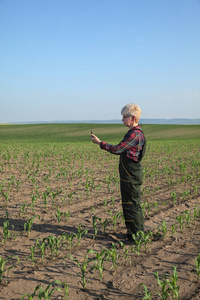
(61, 222)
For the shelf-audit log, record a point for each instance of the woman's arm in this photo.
(129, 141)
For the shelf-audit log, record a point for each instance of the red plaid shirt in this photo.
(132, 144)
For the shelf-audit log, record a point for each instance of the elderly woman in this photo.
(131, 150)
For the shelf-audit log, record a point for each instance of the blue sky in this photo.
(86, 59)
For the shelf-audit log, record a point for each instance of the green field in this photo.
(81, 132)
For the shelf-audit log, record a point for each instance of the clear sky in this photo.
(86, 59)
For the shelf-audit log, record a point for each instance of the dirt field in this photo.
(59, 202)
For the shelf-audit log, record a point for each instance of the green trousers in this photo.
(131, 175)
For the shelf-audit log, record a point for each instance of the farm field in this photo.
(61, 224)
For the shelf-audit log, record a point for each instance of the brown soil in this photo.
(162, 252)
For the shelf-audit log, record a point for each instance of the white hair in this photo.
(132, 110)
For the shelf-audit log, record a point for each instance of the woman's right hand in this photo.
(95, 139)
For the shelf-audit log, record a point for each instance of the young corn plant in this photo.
(47, 293)
(173, 284)
(163, 283)
(70, 195)
(6, 196)
(34, 199)
(23, 209)
(195, 214)
(147, 294)
(180, 219)
(113, 255)
(174, 197)
(99, 261)
(54, 194)
(104, 224)
(29, 225)
(168, 286)
(163, 228)
(41, 246)
(31, 256)
(197, 262)
(6, 231)
(2, 266)
(67, 215)
(115, 217)
(69, 238)
(85, 268)
(80, 233)
(188, 217)
(105, 203)
(59, 215)
(173, 228)
(126, 252)
(44, 197)
(53, 243)
(141, 238)
(94, 222)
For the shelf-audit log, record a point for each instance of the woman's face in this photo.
(128, 120)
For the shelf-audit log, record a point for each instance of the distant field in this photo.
(81, 132)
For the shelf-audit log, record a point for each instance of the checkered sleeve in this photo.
(128, 142)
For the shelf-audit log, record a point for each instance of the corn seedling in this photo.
(94, 218)
(115, 217)
(165, 291)
(180, 219)
(44, 197)
(69, 238)
(113, 255)
(195, 214)
(53, 243)
(23, 209)
(156, 206)
(173, 284)
(41, 247)
(59, 215)
(70, 195)
(188, 217)
(126, 252)
(147, 294)
(163, 228)
(6, 231)
(47, 293)
(167, 286)
(84, 268)
(29, 225)
(81, 233)
(173, 228)
(104, 224)
(6, 196)
(197, 262)
(2, 266)
(54, 194)
(139, 240)
(31, 256)
(34, 199)
(174, 197)
(99, 261)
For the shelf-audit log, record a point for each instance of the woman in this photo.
(131, 150)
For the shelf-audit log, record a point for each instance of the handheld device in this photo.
(91, 131)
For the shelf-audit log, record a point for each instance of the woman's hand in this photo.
(95, 139)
